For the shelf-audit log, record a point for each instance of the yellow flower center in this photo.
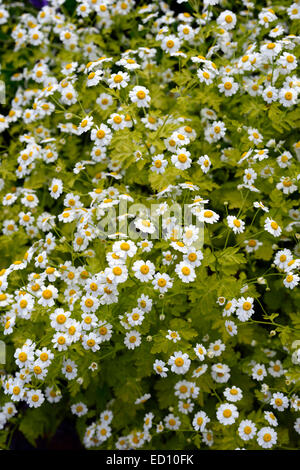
(161, 282)
(144, 269)
(23, 357)
(141, 94)
(118, 78)
(228, 85)
(117, 271)
(247, 306)
(227, 413)
(182, 157)
(288, 96)
(179, 362)
(47, 294)
(208, 214)
(247, 430)
(186, 271)
(89, 303)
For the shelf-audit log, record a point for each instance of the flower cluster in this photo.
(148, 228)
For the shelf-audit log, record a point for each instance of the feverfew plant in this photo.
(149, 213)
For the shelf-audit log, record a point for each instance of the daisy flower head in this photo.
(200, 370)
(259, 372)
(102, 135)
(144, 225)
(159, 164)
(208, 216)
(288, 61)
(288, 97)
(119, 80)
(185, 272)
(294, 11)
(291, 280)
(237, 225)
(284, 160)
(200, 421)
(56, 188)
(85, 125)
(162, 282)
(227, 414)
(279, 401)
(228, 86)
(79, 409)
(266, 437)
(48, 295)
(272, 227)
(247, 429)
(205, 76)
(173, 336)
(140, 96)
(215, 132)
(245, 308)
(252, 245)
(230, 307)
(116, 121)
(227, 20)
(231, 328)
(271, 418)
(135, 318)
(124, 249)
(117, 274)
(104, 101)
(181, 159)
(254, 136)
(132, 339)
(179, 362)
(216, 348)
(260, 205)
(200, 351)
(205, 163)
(170, 44)
(91, 342)
(172, 422)
(269, 50)
(160, 368)
(233, 394)
(34, 398)
(270, 94)
(94, 78)
(193, 257)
